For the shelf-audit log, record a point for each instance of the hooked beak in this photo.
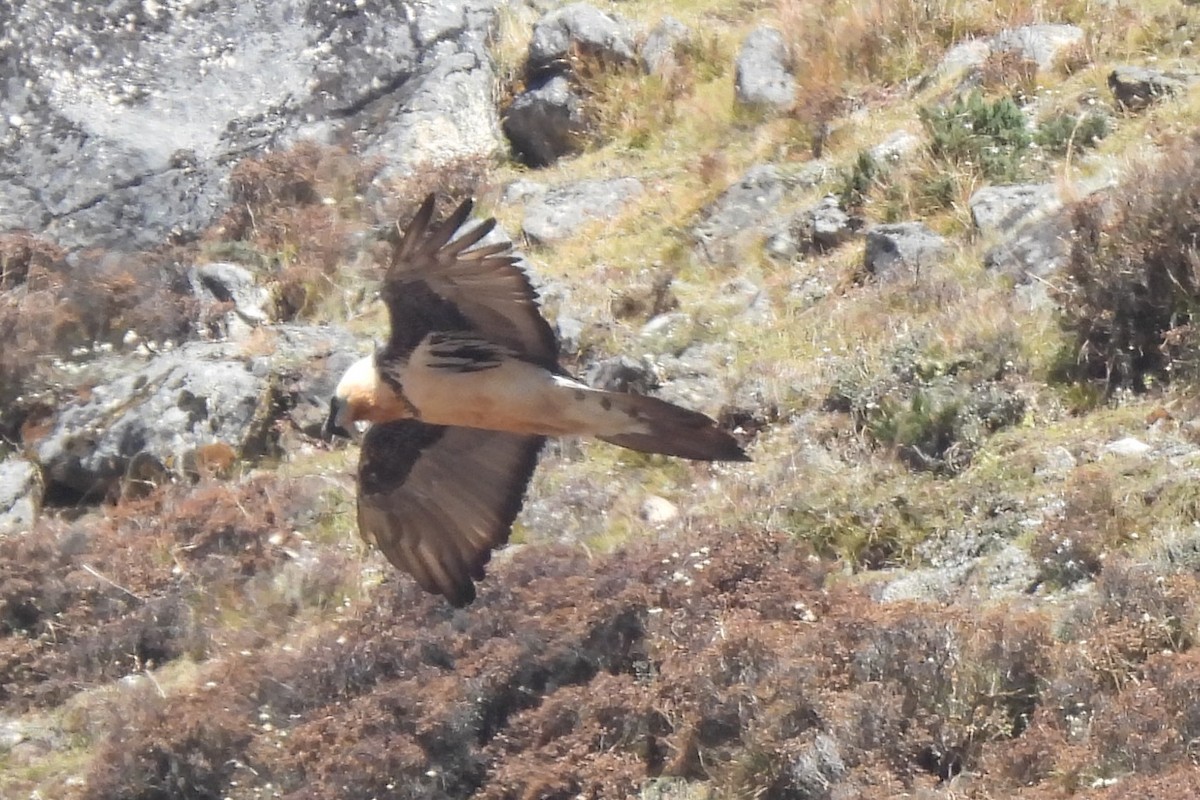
(335, 423)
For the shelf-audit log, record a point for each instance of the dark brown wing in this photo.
(438, 500)
(435, 284)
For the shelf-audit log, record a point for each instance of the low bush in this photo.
(1132, 285)
(987, 138)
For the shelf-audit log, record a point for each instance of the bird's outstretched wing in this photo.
(437, 283)
(437, 500)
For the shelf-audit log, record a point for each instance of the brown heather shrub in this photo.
(1092, 523)
(188, 747)
(106, 294)
(24, 258)
(729, 659)
(61, 303)
(298, 209)
(1132, 285)
(140, 584)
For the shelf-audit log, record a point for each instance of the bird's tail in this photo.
(662, 427)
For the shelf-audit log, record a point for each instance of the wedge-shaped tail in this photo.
(672, 431)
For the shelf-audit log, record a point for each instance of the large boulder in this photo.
(582, 28)
(202, 402)
(1043, 43)
(562, 211)
(1136, 88)
(20, 494)
(129, 116)
(227, 284)
(901, 250)
(546, 122)
(746, 208)
(764, 74)
(1036, 249)
(659, 48)
(819, 228)
(997, 210)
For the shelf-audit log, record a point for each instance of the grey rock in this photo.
(925, 584)
(745, 299)
(581, 26)
(820, 228)
(569, 331)
(1004, 571)
(1008, 572)
(669, 789)
(828, 225)
(665, 326)
(622, 374)
(815, 769)
(1038, 248)
(964, 57)
(20, 494)
(223, 282)
(305, 364)
(999, 209)
(148, 423)
(901, 250)
(562, 211)
(12, 733)
(546, 122)
(1128, 447)
(658, 511)
(658, 50)
(1043, 43)
(153, 418)
(763, 73)
(1136, 88)
(746, 207)
(896, 147)
(695, 377)
(522, 191)
(448, 116)
(121, 121)
(1057, 461)
(563, 505)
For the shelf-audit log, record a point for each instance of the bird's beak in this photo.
(335, 423)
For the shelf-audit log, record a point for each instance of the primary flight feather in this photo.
(461, 398)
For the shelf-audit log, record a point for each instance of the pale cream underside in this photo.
(516, 396)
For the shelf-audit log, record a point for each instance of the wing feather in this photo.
(437, 282)
(437, 500)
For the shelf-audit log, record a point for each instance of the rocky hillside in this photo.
(934, 264)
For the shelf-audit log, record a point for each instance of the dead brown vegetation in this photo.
(297, 209)
(738, 662)
(1133, 286)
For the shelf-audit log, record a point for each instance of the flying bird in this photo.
(461, 399)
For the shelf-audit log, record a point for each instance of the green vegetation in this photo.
(1062, 132)
(971, 133)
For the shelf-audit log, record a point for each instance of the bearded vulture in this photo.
(461, 399)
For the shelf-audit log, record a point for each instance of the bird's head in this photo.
(354, 399)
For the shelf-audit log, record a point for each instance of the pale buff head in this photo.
(355, 398)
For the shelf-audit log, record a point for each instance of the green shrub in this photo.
(989, 138)
(858, 180)
(933, 411)
(1064, 132)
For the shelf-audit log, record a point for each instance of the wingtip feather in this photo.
(415, 230)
